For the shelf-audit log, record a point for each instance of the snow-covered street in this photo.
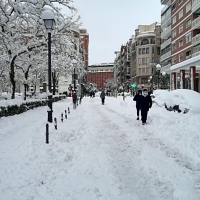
(100, 152)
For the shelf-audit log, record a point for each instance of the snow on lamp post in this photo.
(163, 79)
(158, 68)
(49, 20)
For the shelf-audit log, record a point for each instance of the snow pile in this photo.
(159, 96)
(186, 99)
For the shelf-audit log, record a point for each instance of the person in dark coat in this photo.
(74, 99)
(102, 96)
(146, 103)
(137, 98)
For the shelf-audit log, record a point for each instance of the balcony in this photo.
(166, 33)
(164, 2)
(166, 6)
(196, 54)
(165, 56)
(166, 68)
(196, 6)
(166, 20)
(196, 40)
(196, 23)
(166, 43)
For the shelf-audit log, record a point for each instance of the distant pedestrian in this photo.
(102, 96)
(138, 98)
(146, 103)
(74, 99)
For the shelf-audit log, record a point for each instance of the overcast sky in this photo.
(110, 23)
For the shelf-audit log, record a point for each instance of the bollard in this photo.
(68, 110)
(65, 114)
(62, 117)
(55, 123)
(47, 133)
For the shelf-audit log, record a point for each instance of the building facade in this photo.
(182, 44)
(147, 50)
(85, 45)
(136, 60)
(99, 74)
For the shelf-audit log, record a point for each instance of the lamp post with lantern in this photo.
(49, 20)
(74, 62)
(158, 68)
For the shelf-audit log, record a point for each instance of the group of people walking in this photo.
(143, 104)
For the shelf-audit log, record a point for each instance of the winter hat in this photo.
(145, 90)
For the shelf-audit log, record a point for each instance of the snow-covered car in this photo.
(181, 100)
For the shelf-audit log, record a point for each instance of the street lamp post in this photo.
(164, 79)
(158, 68)
(74, 62)
(49, 20)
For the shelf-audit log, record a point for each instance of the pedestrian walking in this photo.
(74, 99)
(102, 96)
(137, 98)
(146, 103)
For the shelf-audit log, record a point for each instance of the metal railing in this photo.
(166, 43)
(196, 39)
(195, 5)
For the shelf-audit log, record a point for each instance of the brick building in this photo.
(181, 42)
(85, 44)
(99, 73)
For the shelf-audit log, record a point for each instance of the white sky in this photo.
(101, 152)
(110, 23)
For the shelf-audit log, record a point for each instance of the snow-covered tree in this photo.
(22, 29)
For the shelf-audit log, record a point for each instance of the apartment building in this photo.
(137, 59)
(99, 74)
(85, 45)
(147, 52)
(180, 46)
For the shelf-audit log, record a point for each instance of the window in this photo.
(147, 70)
(181, 14)
(173, 46)
(139, 61)
(188, 7)
(174, 20)
(188, 38)
(188, 23)
(143, 70)
(145, 41)
(188, 54)
(139, 70)
(181, 28)
(173, 7)
(140, 51)
(173, 60)
(143, 61)
(181, 58)
(181, 43)
(152, 59)
(152, 49)
(143, 50)
(147, 61)
(147, 50)
(174, 33)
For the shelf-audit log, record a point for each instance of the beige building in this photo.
(145, 53)
(137, 59)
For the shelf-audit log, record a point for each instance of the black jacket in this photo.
(146, 102)
(138, 98)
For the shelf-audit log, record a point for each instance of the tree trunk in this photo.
(12, 79)
(25, 86)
